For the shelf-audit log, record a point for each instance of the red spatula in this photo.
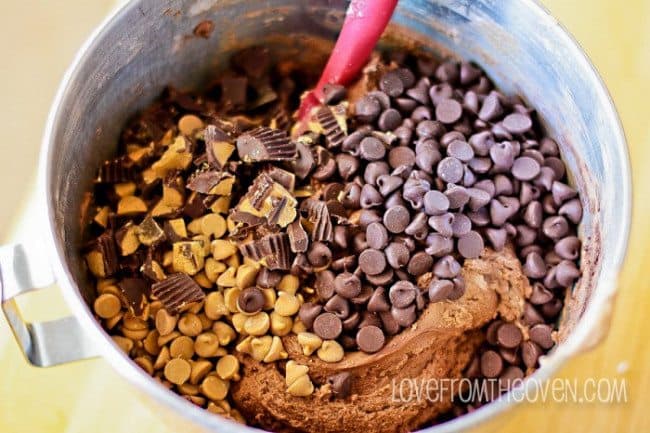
(365, 21)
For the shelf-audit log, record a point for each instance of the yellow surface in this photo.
(37, 41)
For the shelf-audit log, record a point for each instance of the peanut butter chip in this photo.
(189, 123)
(124, 343)
(215, 306)
(246, 275)
(227, 367)
(213, 225)
(310, 342)
(280, 325)
(190, 324)
(107, 306)
(165, 322)
(297, 380)
(215, 388)
(206, 345)
(200, 370)
(257, 324)
(222, 249)
(276, 351)
(330, 351)
(289, 283)
(177, 371)
(182, 347)
(287, 304)
(225, 333)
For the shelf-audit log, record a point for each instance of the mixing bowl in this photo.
(148, 44)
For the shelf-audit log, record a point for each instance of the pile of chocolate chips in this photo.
(432, 166)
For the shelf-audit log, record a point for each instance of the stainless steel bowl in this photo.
(148, 44)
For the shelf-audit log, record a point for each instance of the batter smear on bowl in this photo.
(421, 227)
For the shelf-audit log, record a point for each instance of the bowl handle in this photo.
(44, 344)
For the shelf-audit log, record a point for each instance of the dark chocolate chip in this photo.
(327, 326)
(370, 339)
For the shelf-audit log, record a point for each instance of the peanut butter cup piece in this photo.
(177, 291)
(266, 144)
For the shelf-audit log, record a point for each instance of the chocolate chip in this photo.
(572, 210)
(305, 162)
(435, 203)
(530, 353)
(542, 335)
(391, 84)
(388, 183)
(370, 339)
(374, 170)
(555, 227)
(470, 245)
(525, 168)
(389, 119)
(382, 97)
(491, 364)
(378, 302)
(367, 109)
(339, 306)
(341, 384)
(450, 170)
(347, 285)
(439, 245)
(566, 273)
(376, 236)
(568, 248)
(327, 326)
(439, 290)
(419, 264)
(491, 108)
(325, 164)
(534, 267)
(458, 290)
(370, 197)
(308, 313)
(448, 111)
(251, 300)
(460, 225)
(446, 267)
(396, 219)
(347, 165)
(371, 149)
(402, 294)
(562, 192)
(427, 128)
(517, 123)
(458, 196)
(381, 279)
(508, 336)
(372, 262)
(460, 150)
(351, 196)
(404, 317)
(401, 155)
(442, 224)
(351, 322)
(397, 255)
(556, 166)
(503, 209)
